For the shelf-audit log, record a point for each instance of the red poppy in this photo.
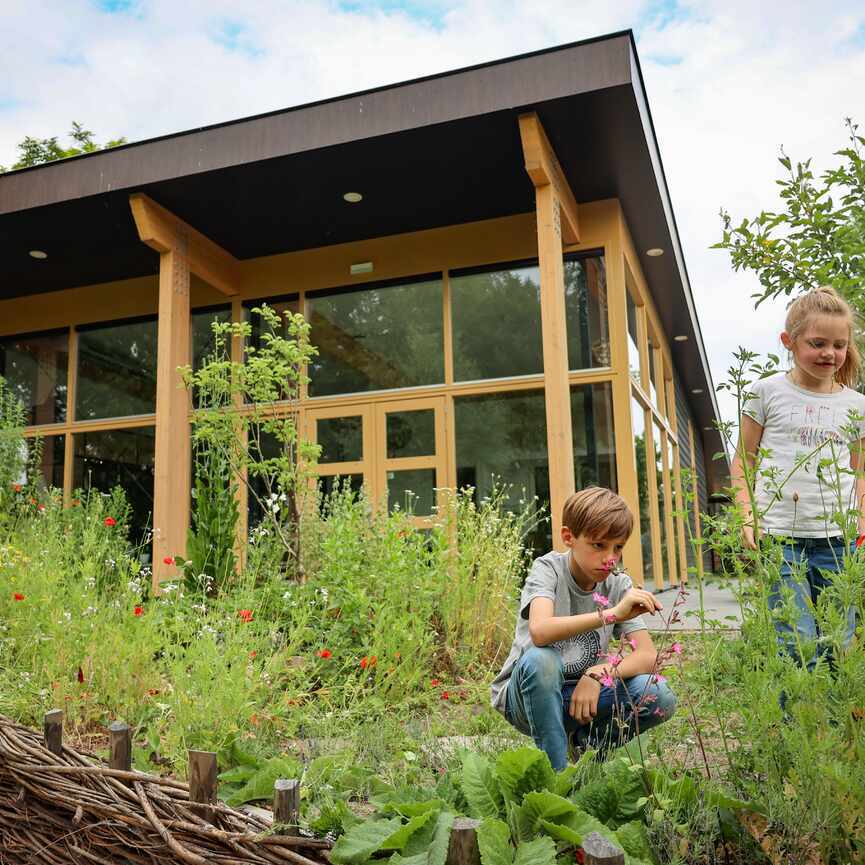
(373, 661)
(168, 560)
(40, 507)
(445, 695)
(18, 596)
(363, 662)
(252, 654)
(17, 488)
(580, 856)
(110, 521)
(138, 611)
(434, 683)
(397, 655)
(859, 541)
(246, 615)
(325, 653)
(80, 675)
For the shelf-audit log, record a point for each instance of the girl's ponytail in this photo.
(826, 301)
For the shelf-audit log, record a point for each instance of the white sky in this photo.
(728, 83)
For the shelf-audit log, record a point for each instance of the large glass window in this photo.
(594, 445)
(116, 370)
(501, 439)
(638, 422)
(633, 340)
(202, 334)
(674, 501)
(377, 338)
(668, 556)
(586, 313)
(653, 391)
(35, 368)
(123, 457)
(496, 323)
(280, 305)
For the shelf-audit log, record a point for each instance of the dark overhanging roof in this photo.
(434, 151)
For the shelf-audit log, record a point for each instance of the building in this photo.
(488, 258)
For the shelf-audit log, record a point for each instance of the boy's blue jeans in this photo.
(807, 569)
(538, 702)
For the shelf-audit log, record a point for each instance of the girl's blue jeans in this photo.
(807, 569)
(538, 701)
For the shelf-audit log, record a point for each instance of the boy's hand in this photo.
(584, 700)
(748, 537)
(635, 603)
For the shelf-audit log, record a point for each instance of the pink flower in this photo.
(601, 600)
(615, 660)
(658, 712)
(658, 679)
(632, 643)
(609, 618)
(607, 680)
(676, 648)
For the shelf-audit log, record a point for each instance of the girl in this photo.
(798, 419)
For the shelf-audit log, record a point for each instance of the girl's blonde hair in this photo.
(826, 301)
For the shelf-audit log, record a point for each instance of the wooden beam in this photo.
(544, 169)
(159, 229)
(172, 458)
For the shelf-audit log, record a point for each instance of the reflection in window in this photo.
(638, 421)
(377, 338)
(502, 439)
(497, 323)
(653, 393)
(662, 494)
(674, 504)
(340, 439)
(45, 456)
(594, 444)
(412, 491)
(330, 484)
(411, 433)
(586, 313)
(35, 369)
(111, 458)
(203, 344)
(279, 305)
(633, 341)
(116, 370)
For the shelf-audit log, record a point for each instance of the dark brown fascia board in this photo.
(506, 84)
(639, 89)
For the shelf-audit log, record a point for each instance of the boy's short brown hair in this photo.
(598, 513)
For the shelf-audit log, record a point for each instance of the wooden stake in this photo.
(463, 847)
(53, 731)
(599, 851)
(286, 804)
(202, 779)
(121, 747)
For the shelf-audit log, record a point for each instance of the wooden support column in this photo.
(556, 217)
(182, 250)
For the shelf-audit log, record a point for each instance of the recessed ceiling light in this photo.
(696, 390)
(38, 253)
(655, 251)
(709, 428)
(353, 197)
(681, 337)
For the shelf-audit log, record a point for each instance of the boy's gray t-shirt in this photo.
(804, 427)
(550, 577)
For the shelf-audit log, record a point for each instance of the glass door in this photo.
(345, 435)
(411, 460)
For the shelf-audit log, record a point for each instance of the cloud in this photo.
(728, 83)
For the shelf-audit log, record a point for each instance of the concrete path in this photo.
(719, 604)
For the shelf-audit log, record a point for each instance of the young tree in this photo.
(819, 236)
(35, 151)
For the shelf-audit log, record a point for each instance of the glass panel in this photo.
(262, 445)
(633, 341)
(502, 439)
(662, 493)
(35, 368)
(49, 466)
(638, 421)
(110, 458)
(202, 334)
(594, 444)
(116, 370)
(671, 457)
(328, 484)
(377, 338)
(412, 491)
(653, 393)
(497, 324)
(341, 439)
(586, 313)
(411, 433)
(279, 305)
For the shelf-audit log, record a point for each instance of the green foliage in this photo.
(818, 238)
(522, 771)
(13, 449)
(480, 787)
(35, 151)
(252, 782)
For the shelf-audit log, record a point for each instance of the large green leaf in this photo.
(541, 851)
(438, 849)
(562, 833)
(412, 808)
(630, 783)
(599, 798)
(538, 806)
(360, 842)
(632, 838)
(480, 787)
(259, 785)
(417, 859)
(401, 836)
(522, 771)
(494, 842)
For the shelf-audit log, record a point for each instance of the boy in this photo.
(571, 606)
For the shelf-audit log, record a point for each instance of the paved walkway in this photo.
(720, 606)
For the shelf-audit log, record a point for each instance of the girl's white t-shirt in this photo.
(814, 432)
